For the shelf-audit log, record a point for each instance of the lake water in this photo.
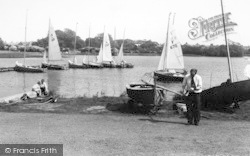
(111, 82)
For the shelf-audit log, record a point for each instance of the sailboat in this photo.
(105, 55)
(121, 63)
(54, 53)
(221, 97)
(74, 63)
(91, 64)
(23, 67)
(171, 64)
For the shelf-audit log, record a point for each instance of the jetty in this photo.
(6, 69)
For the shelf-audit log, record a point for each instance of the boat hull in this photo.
(108, 65)
(6, 69)
(77, 66)
(28, 69)
(141, 93)
(223, 96)
(126, 65)
(167, 76)
(93, 65)
(53, 66)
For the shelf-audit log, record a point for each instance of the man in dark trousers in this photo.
(192, 88)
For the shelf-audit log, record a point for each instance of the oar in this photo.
(164, 88)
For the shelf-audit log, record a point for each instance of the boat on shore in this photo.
(54, 53)
(171, 64)
(223, 96)
(141, 93)
(17, 97)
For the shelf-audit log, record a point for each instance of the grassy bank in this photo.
(12, 54)
(116, 105)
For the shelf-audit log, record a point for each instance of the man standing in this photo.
(192, 87)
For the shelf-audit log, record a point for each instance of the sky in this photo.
(142, 19)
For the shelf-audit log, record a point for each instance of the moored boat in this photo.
(54, 53)
(19, 67)
(105, 56)
(176, 76)
(120, 62)
(29, 69)
(79, 66)
(171, 64)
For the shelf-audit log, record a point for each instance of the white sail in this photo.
(44, 57)
(172, 56)
(247, 71)
(100, 55)
(163, 56)
(54, 49)
(106, 50)
(84, 60)
(120, 55)
(75, 60)
(174, 53)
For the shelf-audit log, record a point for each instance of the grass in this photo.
(120, 105)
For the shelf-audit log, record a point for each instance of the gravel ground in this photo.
(114, 134)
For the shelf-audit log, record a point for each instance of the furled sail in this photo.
(54, 49)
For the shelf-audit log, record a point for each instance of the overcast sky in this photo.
(143, 19)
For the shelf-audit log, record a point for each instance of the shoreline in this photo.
(12, 54)
(116, 106)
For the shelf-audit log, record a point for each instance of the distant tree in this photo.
(66, 39)
(1, 44)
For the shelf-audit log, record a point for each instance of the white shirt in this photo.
(36, 88)
(247, 71)
(44, 85)
(186, 84)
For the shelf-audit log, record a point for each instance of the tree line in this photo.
(66, 40)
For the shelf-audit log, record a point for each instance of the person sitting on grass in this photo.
(43, 87)
(36, 88)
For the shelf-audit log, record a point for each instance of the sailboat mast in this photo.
(123, 35)
(75, 44)
(25, 46)
(167, 37)
(89, 44)
(228, 53)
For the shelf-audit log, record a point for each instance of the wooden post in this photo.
(155, 91)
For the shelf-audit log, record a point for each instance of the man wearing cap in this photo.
(192, 87)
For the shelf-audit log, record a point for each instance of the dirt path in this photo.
(126, 134)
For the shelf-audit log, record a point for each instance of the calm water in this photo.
(111, 82)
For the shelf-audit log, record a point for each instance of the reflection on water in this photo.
(111, 82)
